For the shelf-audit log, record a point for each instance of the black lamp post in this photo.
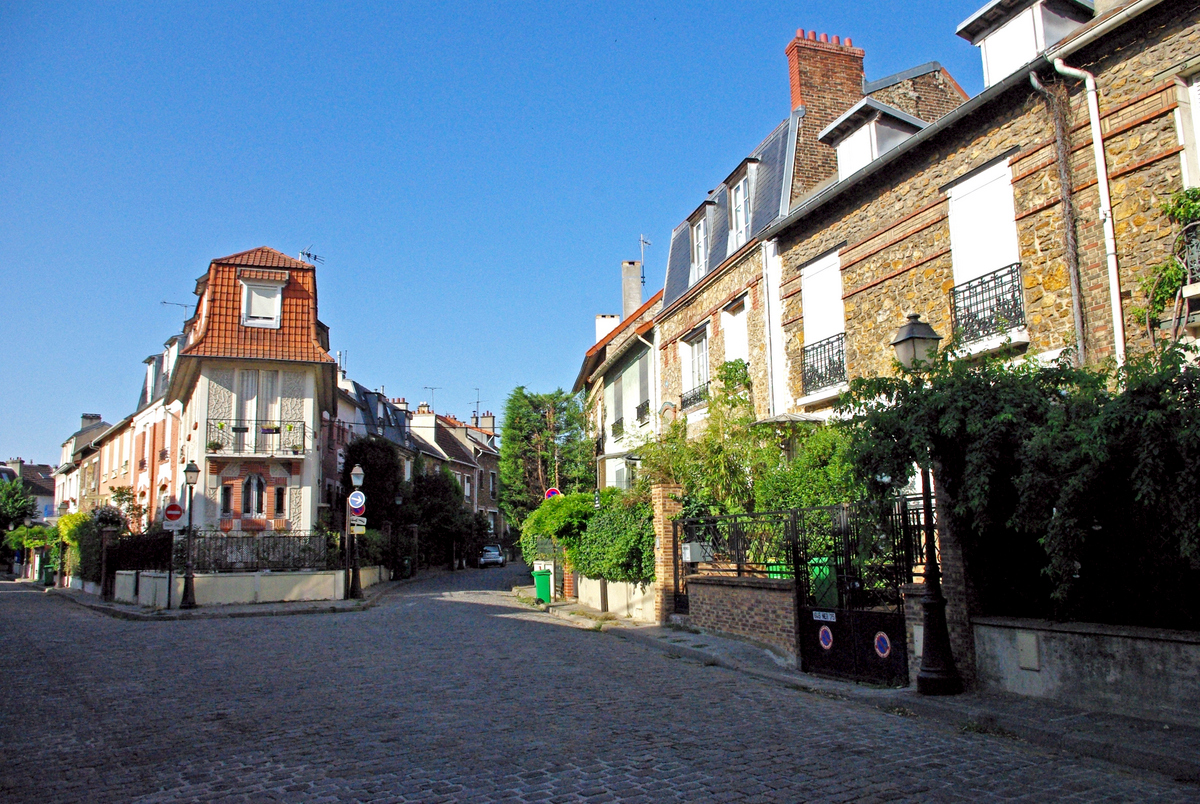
(356, 477)
(916, 345)
(63, 510)
(191, 473)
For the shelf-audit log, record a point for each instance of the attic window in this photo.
(261, 304)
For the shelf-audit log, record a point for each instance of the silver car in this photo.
(491, 555)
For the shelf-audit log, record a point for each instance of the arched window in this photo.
(253, 492)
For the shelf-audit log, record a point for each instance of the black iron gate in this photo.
(848, 607)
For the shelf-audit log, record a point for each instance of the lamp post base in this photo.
(938, 675)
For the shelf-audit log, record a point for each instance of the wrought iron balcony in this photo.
(825, 363)
(164, 455)
(642, 414)
(253, 437)
(990, 305)
(618, 428)
(695, 397)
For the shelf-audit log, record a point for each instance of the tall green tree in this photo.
(383, 477)
(543, 445)
(15, 503)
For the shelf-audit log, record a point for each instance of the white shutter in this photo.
(821, 299)
(983, 226)
(733, 321)
(264, 302)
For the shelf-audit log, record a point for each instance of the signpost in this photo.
(356, 525)
(173, 517)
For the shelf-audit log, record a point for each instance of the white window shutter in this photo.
(983, 227)
(821, 299)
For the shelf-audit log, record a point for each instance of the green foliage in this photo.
(125, 501)
(434, 503)
(561, 519)
(32, 538)
(1162, 283)
(818, 473)
(383, 475)
(1070, 490)
(15, 503)
(618, 542)
(543, 444)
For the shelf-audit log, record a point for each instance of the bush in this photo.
(561, 519)
(618, 542)
(819, 473)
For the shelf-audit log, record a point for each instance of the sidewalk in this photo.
(1172, 749)
(127, 611)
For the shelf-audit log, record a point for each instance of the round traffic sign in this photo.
(173, 512)
(552, 492)
(358, 500)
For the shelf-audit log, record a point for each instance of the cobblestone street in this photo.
(449, 690)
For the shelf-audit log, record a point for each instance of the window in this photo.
(226, 500)
(739, 206)
(643, 408)
(492, 477)
(1187, 121)
(467, 486)
(983, 226)
(491, 522)
(253, 491)
(280, 502)
(824, 359)
(733, 323)
(693, 354)
(261, 305)
(407, 469)
(699, 250)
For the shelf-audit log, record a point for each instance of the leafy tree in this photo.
(618, 542)
(434, 503)
(543, 445)
(132, 511)
(561, 519)
(15, 503)
(383, 477)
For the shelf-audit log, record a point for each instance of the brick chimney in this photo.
(631, 287)
(826, 79)
(88, 419)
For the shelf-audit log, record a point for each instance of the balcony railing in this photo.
(618, 428)
(141, 464)
(642, 413)
(253, 437)
(695, 397)
(990, 305)
(164, 455)
(825, 363)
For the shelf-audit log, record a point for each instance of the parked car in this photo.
(492, 554)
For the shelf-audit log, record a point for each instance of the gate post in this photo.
(105, 590)
(664, 499)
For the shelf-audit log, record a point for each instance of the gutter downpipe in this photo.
(767, 331)
(1106, 217)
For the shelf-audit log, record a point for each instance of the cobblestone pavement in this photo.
(450, 691)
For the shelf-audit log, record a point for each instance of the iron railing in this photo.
(164, 455)
(254, 437)
(990, 305)
(618, 427)
(825, 363)
(642, 412)
(239, 551)
(695, 397)
(141, 464)
(739, 544)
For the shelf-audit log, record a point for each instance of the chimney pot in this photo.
(825, 38)
(837, 40)
(848, 42)
(812, 36)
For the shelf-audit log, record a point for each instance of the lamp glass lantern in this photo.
(356, 475)
(191, 473)
(915, 342)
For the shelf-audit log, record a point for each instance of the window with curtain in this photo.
(253, 491)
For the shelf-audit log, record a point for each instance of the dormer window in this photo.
(261, 304)
(699, 250)
(739, 212)
(1010, 33)
(865, 132)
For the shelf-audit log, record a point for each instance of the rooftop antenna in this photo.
(477, 405)
(178, 304)
(315, 259)
(431, 389)
(644, 242)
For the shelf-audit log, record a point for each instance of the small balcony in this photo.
(642, 413)
(824, 364)
(618, 428)
(694, 398)
(253, 437)
(164, 455)
(991, 305)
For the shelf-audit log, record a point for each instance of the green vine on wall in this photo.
(1164, 283)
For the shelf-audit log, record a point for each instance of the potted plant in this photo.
(215, 446)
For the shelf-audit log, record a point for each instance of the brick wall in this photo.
(761, 609)
(665, 501)
(927, 96)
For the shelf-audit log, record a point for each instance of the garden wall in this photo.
(149, 589)
(623, 599)
(1144, 672)
(759, 609)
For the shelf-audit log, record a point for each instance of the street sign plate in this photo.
(358, 530)
(358, 520)
(358, 500)
(552, 492)
(173, 512)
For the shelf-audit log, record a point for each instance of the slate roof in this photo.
(39, 479)
(216, 330)
(766, 204)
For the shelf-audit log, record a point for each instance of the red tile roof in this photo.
(217, 330)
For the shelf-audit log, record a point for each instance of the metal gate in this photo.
(849, 613)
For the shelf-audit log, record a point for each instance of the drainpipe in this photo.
(1110, 238)
(1062, 150)
(766, 286)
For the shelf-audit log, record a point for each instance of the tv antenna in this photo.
(643, 242)
(431, 389)
(315, 259)
(477, 405)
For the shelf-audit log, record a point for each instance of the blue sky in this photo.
(472, 173)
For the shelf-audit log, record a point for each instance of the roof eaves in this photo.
(859, 115)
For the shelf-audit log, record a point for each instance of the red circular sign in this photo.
(173, 512)
(551, 492)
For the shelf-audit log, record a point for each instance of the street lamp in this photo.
(63, 509)
(916, 345)
(191, 474)
(356, 477)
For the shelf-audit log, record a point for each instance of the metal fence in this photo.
(695, 397)
(239, 551)
(824, 363)
(990, 305)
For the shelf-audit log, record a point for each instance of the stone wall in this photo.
(927, 96)
(760, 609)
(665, 502)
